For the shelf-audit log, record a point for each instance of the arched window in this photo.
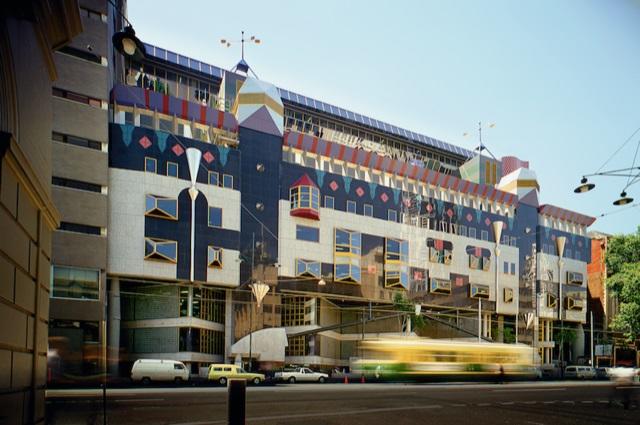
(304, 196)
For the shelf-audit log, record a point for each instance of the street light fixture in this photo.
(259, 290)
(128, 44)
(624, 199)
(584, 187)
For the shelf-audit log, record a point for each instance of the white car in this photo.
(148, 370)
(579, 372)
(301, 374)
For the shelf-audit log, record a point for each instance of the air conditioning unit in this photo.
(440, 286)
(478, 291)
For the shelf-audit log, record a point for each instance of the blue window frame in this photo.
(351, 207)
(306, 233)
(215, 217)
(368, 210)
(392, 215)
(172, 169)
(214, 178)
(150, 165)
(328, 202)
(227, 181)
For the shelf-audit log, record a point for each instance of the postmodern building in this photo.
(217, 179)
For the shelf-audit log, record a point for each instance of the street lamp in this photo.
(560, 243)
(193, 159)
(497, 232)
(259, 290)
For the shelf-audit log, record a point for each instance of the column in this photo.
(228, 323)
(114, 326)
(500, 336)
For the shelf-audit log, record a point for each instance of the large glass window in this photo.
(304, 197)
(69, 282)
(215, 217)
(160, 249)
(161, 207)
(396, 258)
(351, 207)
(227, 181)
(214, 257)
(306, 233)
(440, 251)
(308, 268)
(347, 252)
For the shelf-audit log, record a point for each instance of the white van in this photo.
(147, 370)
(579, 372)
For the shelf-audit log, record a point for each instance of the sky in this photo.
(560, 79)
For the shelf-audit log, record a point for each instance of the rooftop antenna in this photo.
(242, 66)
(481, 146)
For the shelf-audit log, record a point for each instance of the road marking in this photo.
(483, 404)
(603, 401)
(134, 400)
(533, 423)
(549, 402)
(507, 403)
(529, 402)
(568, 401)
(523, 390)
(323, 414)
(457, 405)
(586, 401)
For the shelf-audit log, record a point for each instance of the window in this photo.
(552, 300)
(396, 259)
(440, 286)
(347, 251)
(478, 291)
(308, 268)
(214, 257)
(514, 241)
(505, 268)
(161, 207)
(150, 165)
(440, 251)
(69, 282)
(472, 232)
(160, 249)
(368, 210)
(508, 295)
(574, 303)
(513, 268)
(215, 217)
(307, 197)
(172, 169)
(328, 202)
(462, 230)
(146, 121)
(574, 278)
(567, 253)
(392, 215)
(75, 97)
(165, 125)
(351, 207)
(306, 233)
(80, 228)
(76, 184)
(227, 181)
(76, 141)
(505, 240)
(484, 235)
(213, 178)
(81, 54)
(479, 258)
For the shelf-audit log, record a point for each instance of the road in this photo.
(371, 404)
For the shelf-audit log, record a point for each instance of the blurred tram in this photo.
(432, 359)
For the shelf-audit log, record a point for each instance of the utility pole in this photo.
(591, 321)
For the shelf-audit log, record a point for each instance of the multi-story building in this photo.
(217, 179)
(30, 34)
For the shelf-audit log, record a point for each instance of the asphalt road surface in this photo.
(550, 403)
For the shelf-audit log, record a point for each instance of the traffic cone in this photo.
(362, 379)
(346, 379)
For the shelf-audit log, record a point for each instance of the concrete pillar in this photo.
(228, 323)
(500, 336)
(577, 350)
(114, 326)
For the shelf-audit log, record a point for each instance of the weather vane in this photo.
(242, 66)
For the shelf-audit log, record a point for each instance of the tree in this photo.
(400, 303)
(623, 270)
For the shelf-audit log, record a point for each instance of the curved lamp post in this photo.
(497, 232)
(193, 158)
(560, 243)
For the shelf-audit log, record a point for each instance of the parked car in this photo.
(148, 370)
(221, 373)
(602, 373)
(579, 372)
(301, 374)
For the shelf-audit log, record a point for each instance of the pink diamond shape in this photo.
(359, 192)
(333, 185)
(469, 217)
(177, 149)
(487, 221)
(208, 157)
(144, 142)
(429, 208)
(450, 212)
(384, 197)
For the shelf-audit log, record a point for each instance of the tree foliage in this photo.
(623, 268)
(400, 303)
